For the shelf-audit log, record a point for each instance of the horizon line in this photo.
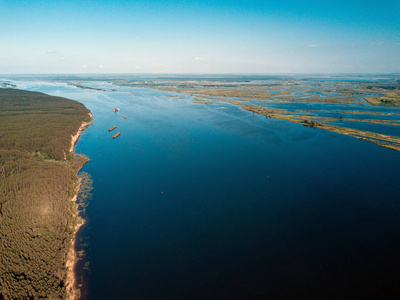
(212, 74)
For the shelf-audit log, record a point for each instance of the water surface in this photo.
(197, 202)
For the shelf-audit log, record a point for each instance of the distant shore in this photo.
(73, 291)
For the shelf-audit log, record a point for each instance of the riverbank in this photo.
(73, 290)
(75, 138)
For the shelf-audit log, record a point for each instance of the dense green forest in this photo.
(38, 178)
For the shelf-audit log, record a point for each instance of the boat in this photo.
(125, 118)
(112, 128)
(115, 109)
(117, 135)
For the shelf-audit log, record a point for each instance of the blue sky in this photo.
(235, 36)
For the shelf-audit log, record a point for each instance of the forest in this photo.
(38, 179)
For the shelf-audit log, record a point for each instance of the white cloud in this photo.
(84, 66)
(138, 67)
(51, 51)
(101, 67)
(62, 58)
(199, 58)
(313, 46)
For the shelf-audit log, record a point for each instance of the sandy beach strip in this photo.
(75, 138)
(73, 291)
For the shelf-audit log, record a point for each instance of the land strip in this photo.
(38, 179)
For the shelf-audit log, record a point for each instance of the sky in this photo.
(169, 36)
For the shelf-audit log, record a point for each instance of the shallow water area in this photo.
(196, 201)
(329, 110)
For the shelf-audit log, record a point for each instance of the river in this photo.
(198, 201)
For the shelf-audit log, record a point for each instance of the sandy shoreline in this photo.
(75, 138)
(73, 291)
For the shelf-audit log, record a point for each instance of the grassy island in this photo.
(38, 181)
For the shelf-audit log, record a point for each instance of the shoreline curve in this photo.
(73, 291)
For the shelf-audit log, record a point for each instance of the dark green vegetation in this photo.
(38, 178)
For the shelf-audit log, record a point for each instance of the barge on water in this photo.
(116, 135)
(112, 128)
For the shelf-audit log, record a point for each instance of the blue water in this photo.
(197, 202)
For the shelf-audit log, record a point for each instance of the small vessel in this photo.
(125, 118)
(116, 135)
(115, 109)
(112, 128)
